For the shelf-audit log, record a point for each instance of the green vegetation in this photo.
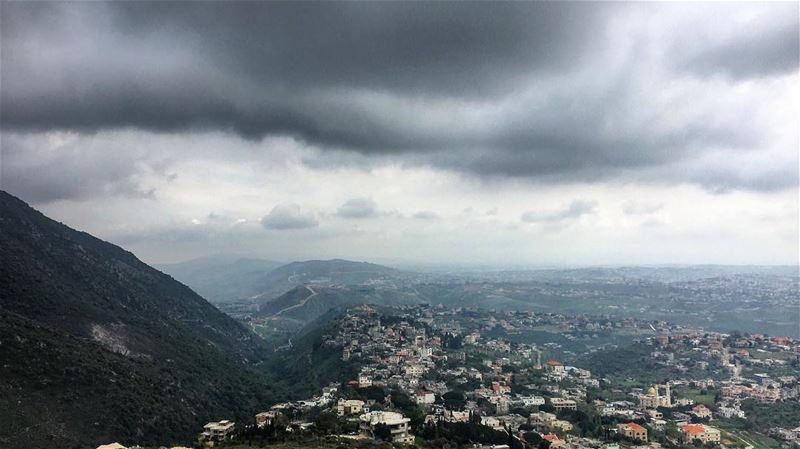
(734, 436)
(96, 346)
(221, 278)
(706, 397)
(309, 365)
(628, 366)
(780, 414)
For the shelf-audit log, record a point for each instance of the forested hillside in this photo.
(95, 345)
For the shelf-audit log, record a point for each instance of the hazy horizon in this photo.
(463, 266)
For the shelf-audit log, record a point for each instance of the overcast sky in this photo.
(480, 134)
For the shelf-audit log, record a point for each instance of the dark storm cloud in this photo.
(404, 46)
(494, 89)
(171, 65)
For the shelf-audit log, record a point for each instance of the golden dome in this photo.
(652, 391)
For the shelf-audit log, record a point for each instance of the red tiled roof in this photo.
(550, 437)
(634, 426)
(694, 429)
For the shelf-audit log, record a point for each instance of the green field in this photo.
(733, 436)
(698, 396)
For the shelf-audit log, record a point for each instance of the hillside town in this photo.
(426, 373)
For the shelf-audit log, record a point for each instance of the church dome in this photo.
(652, 391)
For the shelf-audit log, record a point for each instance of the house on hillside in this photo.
(705, 434)
(265, 419)
(215, 432)
(563, 404)
(555, 441)
(701, 411)
(633, 431)
(349, 407)
(424, 397)
(394, 424)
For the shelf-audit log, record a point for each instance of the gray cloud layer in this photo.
(358, 208)
(426, 215)
(543, 91)
(641, 208)
(575, 210)
(289, 216)
(772, 50)
(73, 172)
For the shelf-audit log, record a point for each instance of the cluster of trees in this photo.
(780, 414)
(329, 423)
(452, 341)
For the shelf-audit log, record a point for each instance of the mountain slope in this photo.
(96, 346)
(294, 298)
(324, 272)
(221, 278)
(297, 308)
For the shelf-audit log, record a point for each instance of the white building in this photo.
(396, 423)
(529, 401)
(364, 381)
(349, 407)
(730, 412)
(415, 370)
(563, 404)
(656, 396)
(215, 432)
(423, 397)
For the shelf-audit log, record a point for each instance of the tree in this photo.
(382, 432)
(533, 438)
(417, 416)
(328, 423)
(401, 400)
(454, 400)
(372, 392)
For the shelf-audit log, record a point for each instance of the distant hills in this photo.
(302, 305)
(293, 295)
(96, 346)
(722, 298)
(225, 278)
(326, 273)
(222, 278)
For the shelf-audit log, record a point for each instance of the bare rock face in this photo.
(112, 338)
